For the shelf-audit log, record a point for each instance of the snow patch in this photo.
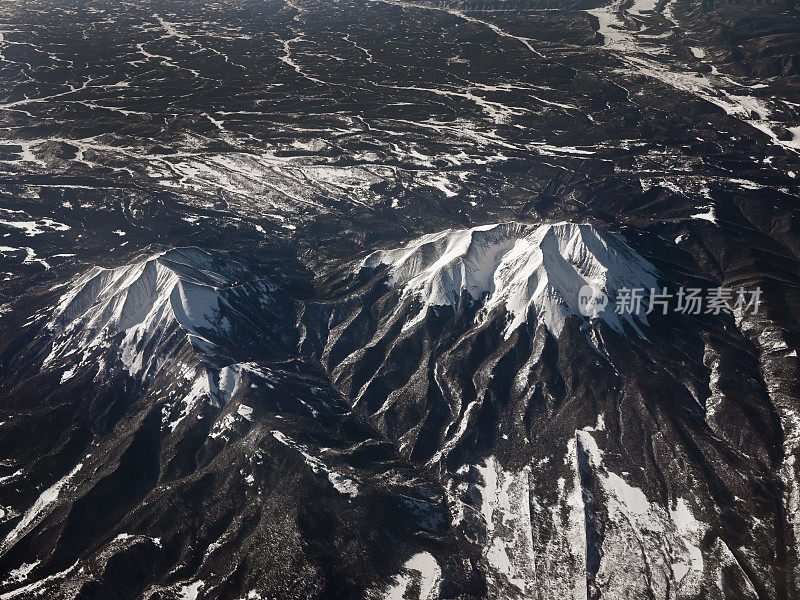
(21, 573)
(505, 511)
(246, 412)
(697, 52)
(422, 567)
(709, 215)
(342, 483)
(190, 591)
(669, 538)
(43, 505)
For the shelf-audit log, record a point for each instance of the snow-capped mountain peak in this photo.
(137, 307)
(520, 269)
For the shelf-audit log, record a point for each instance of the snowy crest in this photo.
(520, 269)
(138, 307)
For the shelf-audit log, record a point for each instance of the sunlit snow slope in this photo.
(211, 301)
(519, 268)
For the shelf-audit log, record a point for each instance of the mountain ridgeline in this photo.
(433, 420)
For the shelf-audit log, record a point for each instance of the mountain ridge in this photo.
(519, 268)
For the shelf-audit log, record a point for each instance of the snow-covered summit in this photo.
(520, 269)
(138, 307)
